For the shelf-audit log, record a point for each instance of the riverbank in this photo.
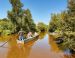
(58, 34)
(68, 40)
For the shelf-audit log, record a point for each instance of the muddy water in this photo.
(42, 47)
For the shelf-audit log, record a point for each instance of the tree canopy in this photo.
(65, 22)
(21, 18)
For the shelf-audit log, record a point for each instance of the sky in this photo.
(41, 10)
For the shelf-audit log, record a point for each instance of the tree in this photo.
(42, 27)
(14, 15)
(65, 22)
(29, 21)
(69, 41)
(71, 12)
(20, 18)
(53, 23)
(68, 20)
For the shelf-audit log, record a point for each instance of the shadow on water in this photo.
(65, 54)
(42, 35)
(19, 50)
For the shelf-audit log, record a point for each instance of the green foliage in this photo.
(6, 32)
(65, 22)
(29, 21)
(52, 24)
(41, 27)
(69, 38)
(5, 24)
(21, 18)
(69, 41)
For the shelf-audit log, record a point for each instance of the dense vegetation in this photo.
(41, 27)
(61, 23)
(64, 23)
(6, 26)
(21, 18)
(17, 18)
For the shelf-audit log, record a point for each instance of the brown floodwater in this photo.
(42, 47)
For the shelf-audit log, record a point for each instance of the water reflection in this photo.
(58, 52)
(20, 51)
(42, 35)
(4, 38)
(45, 48)
(54, 49)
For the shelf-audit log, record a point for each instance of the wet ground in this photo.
(43, 47)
